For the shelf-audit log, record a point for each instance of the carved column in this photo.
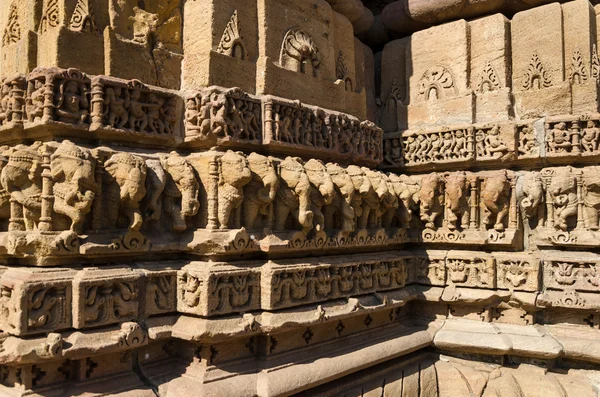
(212, 191)
(549, 202)
(513, 219)
(97, 216)
(17, 93)
(575, 135)
(48, 114)
(16, 221)
(471, 142)
(473, 204)
(97, 104)
(45, 223)
(268, 131)
(581, 223)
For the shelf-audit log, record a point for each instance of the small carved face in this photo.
(590, 124)
(71, 87)
(131, 180)
(77, 170)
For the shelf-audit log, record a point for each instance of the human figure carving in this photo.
(234, 174)
(559, 139)
(72, 105)
(138, 119)
(563, 190)
(589, 138)
(35, 101)
(125, 185)
(115, 107)
(74, 185)
(22, 178)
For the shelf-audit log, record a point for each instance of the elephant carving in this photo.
(457, 201)
(22, 179)
(293, 196)
(340, 214)
(363, 188)
(495, 200)
(322, 190)
(431, 199)
(125, 181)
(74, 187)
(156, 180)
(591, 200)
(233, 176)
(563, 191)
(180, 197)
(4, 195)
(532, 196)
(260, 192)
(373, 201)
(405, 195)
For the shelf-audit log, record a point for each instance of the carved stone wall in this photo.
(206, 198)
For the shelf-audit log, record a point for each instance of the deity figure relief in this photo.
(73, 104)
(589, 137)
(125, 187)
(559, 139)
(234, 174)
(115, 107)
(563, 191)
(283, 124)
(35, 101)
(260, 192)
(74, 186)
(492, 144)
(393, 151)
(22, 179)
(495, 200)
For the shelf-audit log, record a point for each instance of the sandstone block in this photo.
(37, 301)
(208, 289)
(105, 296)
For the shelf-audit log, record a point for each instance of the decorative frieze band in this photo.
(555, 140)
(65, 103)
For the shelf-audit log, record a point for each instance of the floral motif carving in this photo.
(488, 79)
(232, 42)
(536, 77)
(436, 83)
(578, 73)
(12, 31)
(83, 19)
(299, 53)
